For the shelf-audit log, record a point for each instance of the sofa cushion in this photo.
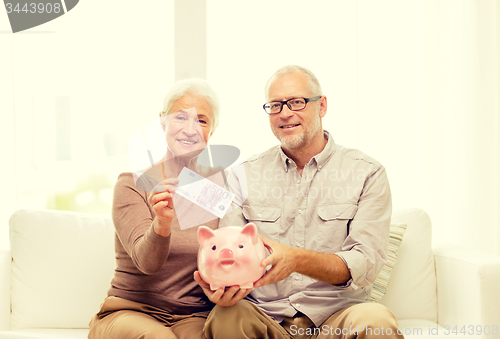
(412, 291)
(382, 282)
(5, 269)
(62, 264)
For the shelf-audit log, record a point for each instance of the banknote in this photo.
(203, 192)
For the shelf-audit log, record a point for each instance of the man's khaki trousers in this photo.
(245, 320)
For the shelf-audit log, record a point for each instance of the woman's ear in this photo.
(163, 120)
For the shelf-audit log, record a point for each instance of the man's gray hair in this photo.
(194, 86)
(314, 85)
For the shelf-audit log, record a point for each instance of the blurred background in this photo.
(412, 83)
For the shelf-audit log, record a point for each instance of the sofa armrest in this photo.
(467, 285)
(5, 267)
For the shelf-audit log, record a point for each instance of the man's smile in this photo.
(289, 126)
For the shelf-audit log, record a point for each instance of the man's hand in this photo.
(163, 206)
(285, 260)
(282, 259)
(222, 297)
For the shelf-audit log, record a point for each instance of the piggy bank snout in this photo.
(226, 253)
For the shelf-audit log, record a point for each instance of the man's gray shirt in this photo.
(341, 204)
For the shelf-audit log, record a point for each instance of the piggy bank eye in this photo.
(240, 245)
(214, 248)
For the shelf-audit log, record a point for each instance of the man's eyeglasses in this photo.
(295, 104)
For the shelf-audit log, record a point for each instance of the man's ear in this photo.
(322, 106)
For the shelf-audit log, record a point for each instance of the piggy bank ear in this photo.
(250, 230)
(204, 233)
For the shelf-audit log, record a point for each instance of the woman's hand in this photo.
(222, 297)
(161, 201)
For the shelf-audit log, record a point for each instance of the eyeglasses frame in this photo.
(289, 106)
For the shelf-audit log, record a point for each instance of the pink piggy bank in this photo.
(230, 256)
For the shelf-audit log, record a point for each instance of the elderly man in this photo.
(324, 213)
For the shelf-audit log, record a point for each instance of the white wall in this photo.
(413, 83)
(113, 63)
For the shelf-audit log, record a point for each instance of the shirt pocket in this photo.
(333, 222)
(266, 218)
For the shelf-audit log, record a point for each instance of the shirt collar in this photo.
(285, 160)
(320, 159)
(327, 152)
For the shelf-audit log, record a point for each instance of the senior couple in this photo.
(323, 212)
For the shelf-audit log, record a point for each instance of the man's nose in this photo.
(286, 112)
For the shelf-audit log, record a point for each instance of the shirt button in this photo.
(299, 211)
(297, 305)
(336, 214)
(259, 215)
(298, 244)
(297, 277)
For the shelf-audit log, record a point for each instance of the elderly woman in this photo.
(153, 293)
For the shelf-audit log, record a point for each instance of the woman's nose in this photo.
(191, 127)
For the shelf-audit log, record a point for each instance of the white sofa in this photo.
(60, 265)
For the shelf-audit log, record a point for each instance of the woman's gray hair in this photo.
(314, 85)
(194, 86)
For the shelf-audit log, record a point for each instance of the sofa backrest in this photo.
(412, 292)
(62, 265)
